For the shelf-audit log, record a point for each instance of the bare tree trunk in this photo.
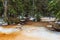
(5, 4)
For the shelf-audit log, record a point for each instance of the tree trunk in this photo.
(5, 4)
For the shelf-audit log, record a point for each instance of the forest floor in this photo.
(31, 31)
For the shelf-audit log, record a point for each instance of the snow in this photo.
(34, 32)
(2, 22)
(47, 19)
(31, 18)
(57, 22)
(8, 30)
(41, 32)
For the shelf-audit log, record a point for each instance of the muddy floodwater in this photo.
(31, 33)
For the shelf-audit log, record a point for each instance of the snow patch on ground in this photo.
(41, 32)
(8, 30)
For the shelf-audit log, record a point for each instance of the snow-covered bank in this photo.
(47, 19)
(41, 32)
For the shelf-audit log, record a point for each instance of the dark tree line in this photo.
(34, 8)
